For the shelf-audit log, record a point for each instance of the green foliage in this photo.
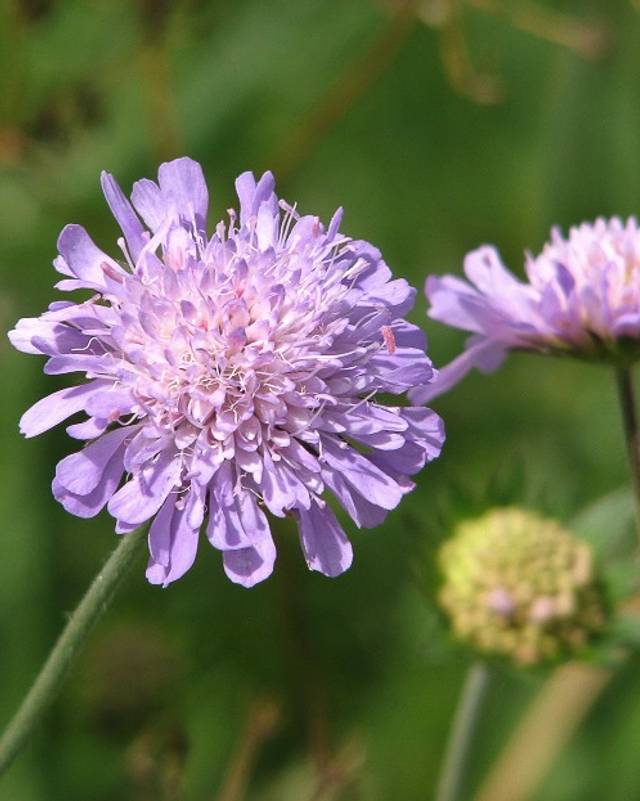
(358, 667)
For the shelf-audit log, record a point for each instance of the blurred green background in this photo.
(438, 126)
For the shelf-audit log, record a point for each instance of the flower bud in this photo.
(520, 586)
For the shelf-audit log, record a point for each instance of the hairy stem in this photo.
(51, 677)
(454, 768)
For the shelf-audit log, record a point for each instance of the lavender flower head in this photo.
(582, 299)
(229, 375)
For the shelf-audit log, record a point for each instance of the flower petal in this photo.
(123, 211)
(184, 188)
(56, 407)
(81, 472)
(249, 566)
(324, 543)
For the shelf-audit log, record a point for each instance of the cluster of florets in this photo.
(231, 375)
(520, 586)
(582, 299)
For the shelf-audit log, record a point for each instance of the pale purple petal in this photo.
(91, 504)
(84, 258)
(324, 543)
(249, 566)
(141, 497)
(81, 472)
(123, 211)
(183, 185)
(56, 407)
(485, 355)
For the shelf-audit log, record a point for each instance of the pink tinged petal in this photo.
(85, 260)
(363, 475)
(81, 472)
(324, 543)
(184, 187)
(125, 215)
(249, 566)
(89, 505)
(141, 497)
(485, 355)
(56, 407)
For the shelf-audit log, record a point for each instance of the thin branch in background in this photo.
(481, 87)
(548, 725)
(155, 763)
(262, 722)
(342, 95)
(341, 772)
(588, 39)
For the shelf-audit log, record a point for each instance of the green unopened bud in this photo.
(519, 585)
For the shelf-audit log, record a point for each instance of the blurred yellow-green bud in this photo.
(521, 586)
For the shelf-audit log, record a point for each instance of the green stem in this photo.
(54, 671)
(465, 723)
(631, 433)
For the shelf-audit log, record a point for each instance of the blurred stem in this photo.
(547, 726)
(631, 433)
(465, 723)
(80, 624)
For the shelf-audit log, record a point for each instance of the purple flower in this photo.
(231, 375)
(582, 299)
